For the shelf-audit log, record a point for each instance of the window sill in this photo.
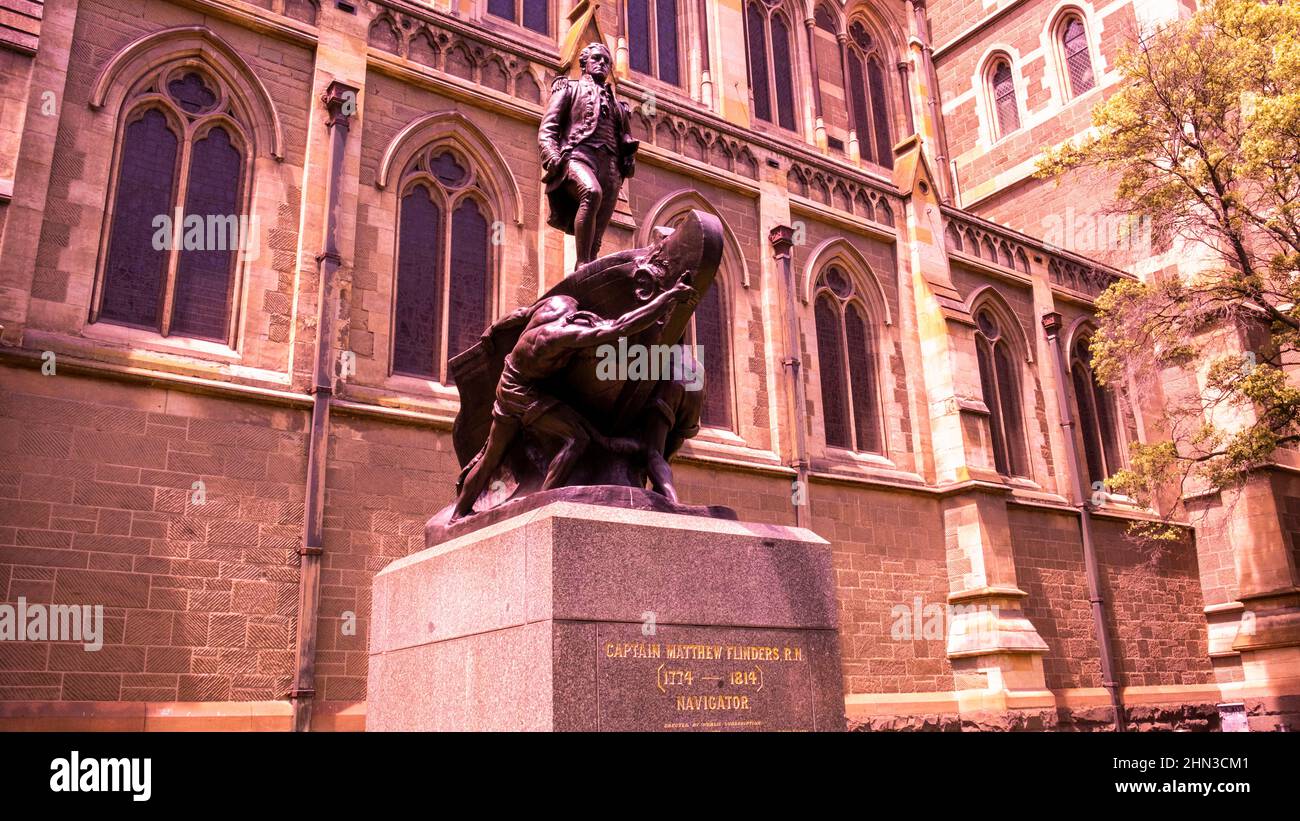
(1021, 483)
(509, 29)
(715, 445)
(648, 84)
(420, 386)
(1067, 101)
(721, 436)
(1004, 138)
(780, 133)
(851, 464)
(142, 351)
(156, 342)
(859, 468)
(1115, 502)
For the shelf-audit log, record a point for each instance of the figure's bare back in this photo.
(539, 352)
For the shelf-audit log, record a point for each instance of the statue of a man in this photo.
(587, 151)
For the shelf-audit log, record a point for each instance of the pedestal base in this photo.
(578, 617)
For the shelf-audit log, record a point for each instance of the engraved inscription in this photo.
(692, 684)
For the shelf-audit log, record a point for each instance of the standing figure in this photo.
(587, 151)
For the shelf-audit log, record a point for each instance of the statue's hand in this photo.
(554, 158)
(682, 292)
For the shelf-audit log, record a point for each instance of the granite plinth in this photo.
(440, 528)
(586, 618)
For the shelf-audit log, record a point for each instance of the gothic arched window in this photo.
(709, 328)
(1098, 420)
(867, 98)
(531, 14)
(1000, 382)
(178, 216)
(771, 69)
(444, 263)
(846, 349)
(1002, 92)
(1078, 60)
(652, 39)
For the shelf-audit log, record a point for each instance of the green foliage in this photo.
(1203, 137)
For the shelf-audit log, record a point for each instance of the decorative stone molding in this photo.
(695, 141)
(842, 193)
(968, 238)
(175, 44)
(1085, 279)
(449, 51)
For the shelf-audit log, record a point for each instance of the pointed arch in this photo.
(1081, 327)
(454, 127)
(952, 236)
(385, 33)
(828, 16)
(1071, 39)
(851, 258)
(1000, 86)
(1001, 354)
(445, 282)
(892, 35)
(1098, 411)
(850, 353)
(680, 200)
(152, 51)
(775, 48)
(990, 298)
(715, 324)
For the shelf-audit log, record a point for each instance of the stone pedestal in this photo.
(589, 618)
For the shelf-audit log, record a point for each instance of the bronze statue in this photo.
(556, 330)
(587, 151)
(540, 420)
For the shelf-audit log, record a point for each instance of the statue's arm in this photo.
(548, 134)
(633, 321)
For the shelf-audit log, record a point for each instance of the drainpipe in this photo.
(782, 239)
(340, 100)
(1052, 326)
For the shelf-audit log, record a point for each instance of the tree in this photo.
(1203, 135)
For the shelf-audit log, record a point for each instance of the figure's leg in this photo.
(611, 182)
(585, 189)
(621, 445)
(661, 476)
(499, 438)
(563, 423)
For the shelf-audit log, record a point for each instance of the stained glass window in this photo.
(771, 63)
(999, 381)
(1005, 107)
(178, 215)
(444, 265)
(652, 32)
(1078, 62)
(846, 365)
